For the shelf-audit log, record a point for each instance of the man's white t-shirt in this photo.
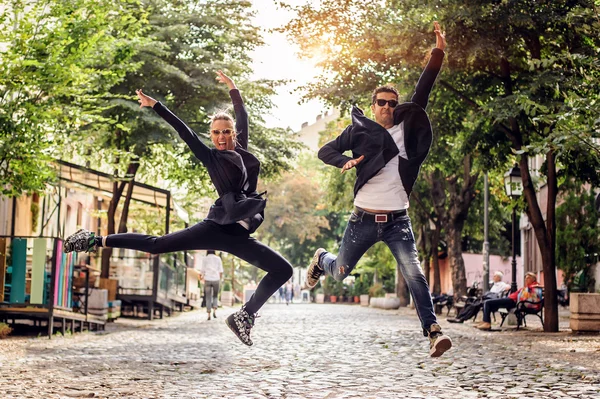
(499, 287)
(385, 190)
(211, 268)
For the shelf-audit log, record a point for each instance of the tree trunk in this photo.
(435, 241)
(426, 255)
(118, 187)
(544, 238)
(461, 197)
(456, 261)
(402, 288)
(133, 168)
(551, 322)
(545, 232)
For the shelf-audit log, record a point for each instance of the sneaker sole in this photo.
(314, 263)
(234, 333)
(441, 346)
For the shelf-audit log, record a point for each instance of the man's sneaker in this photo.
(315, 271)
(438, 342)
(81, 241)
(241, 322)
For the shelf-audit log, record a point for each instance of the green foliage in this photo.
(577, 232)
(226, 286)
(58, 59)
(520, 81)
(328, 286)
(376, 291)
(298, 219)
(361, 286)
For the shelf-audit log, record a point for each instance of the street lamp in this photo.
(513, 185)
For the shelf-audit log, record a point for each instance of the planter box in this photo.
(320, 298)
(364, 300)
(385, 303)
(585, 312)
(226, 298)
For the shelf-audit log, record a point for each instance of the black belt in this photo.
(379, 217)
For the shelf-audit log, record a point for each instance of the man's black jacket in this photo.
(238, 199)
(366, 137)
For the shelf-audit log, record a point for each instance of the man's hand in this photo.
(440, 37)
(144, 100)
(221, 77)
(352, 163)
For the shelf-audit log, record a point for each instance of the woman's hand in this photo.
(221, 77)
(352, 163)
(144, 100)
(440, 37)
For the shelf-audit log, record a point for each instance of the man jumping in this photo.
(388, 154)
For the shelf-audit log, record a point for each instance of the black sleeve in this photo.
(332, 152)
(200, 150)
(427, 79)
(241, 118)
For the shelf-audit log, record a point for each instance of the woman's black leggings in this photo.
(232, 238)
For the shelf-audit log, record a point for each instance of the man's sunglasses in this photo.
(226, 132)
(381, 102)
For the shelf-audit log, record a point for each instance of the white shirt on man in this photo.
(499, 287)
(385, 190)
(211, 268)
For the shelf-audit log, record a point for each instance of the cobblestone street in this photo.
(300, 351)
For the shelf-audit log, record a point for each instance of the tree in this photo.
(524, 68)
(578, 232)
(534, 57)
(189, 41)
(363, 54)
(58, 58)
(294, 219)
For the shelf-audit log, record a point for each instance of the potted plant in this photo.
(340, 291)
(362, 290)
(354, 293)
(329, 289)
(320, 297)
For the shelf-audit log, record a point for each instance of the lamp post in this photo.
(513, 185)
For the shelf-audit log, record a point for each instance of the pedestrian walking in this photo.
(289, 292)
(231, 220)
(212, 274)
(387, 154)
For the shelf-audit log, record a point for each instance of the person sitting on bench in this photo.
(509, 302)
(471, 309)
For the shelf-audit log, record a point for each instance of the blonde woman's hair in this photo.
(221, 116)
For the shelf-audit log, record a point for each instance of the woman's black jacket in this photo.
(234, 173)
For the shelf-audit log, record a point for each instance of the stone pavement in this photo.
(300, 351)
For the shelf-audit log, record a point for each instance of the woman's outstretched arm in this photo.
(200, 150)
(241, 116)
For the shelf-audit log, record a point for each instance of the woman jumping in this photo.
(235, 215)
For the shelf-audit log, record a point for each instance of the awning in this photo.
(102, 184)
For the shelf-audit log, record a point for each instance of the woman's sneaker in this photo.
(315, 271)
(82, 241)
(438, 342)
(241, 322)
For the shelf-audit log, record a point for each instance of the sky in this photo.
(278, 59)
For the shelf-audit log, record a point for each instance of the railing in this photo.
(136, 274)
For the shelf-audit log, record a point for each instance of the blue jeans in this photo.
(361, 234)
